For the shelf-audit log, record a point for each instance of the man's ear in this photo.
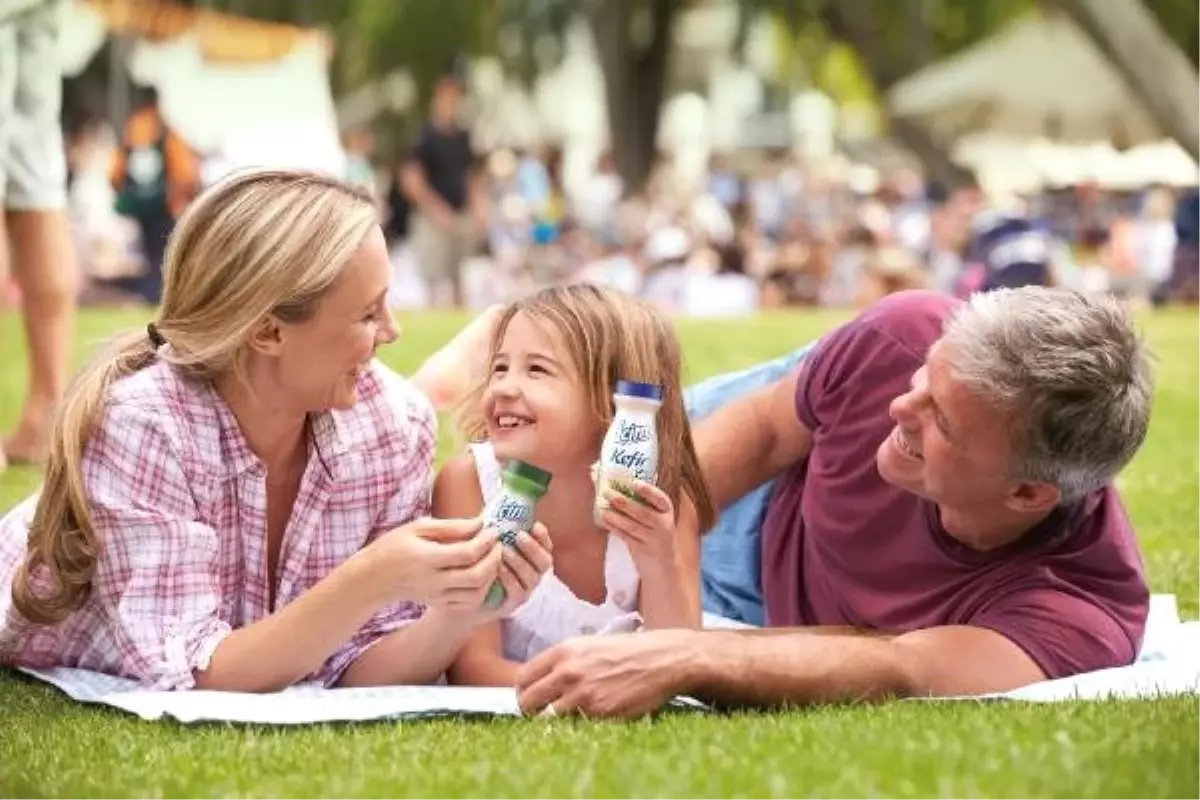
(1035, 497)
(268, 336)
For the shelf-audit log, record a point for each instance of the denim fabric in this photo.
(730, 553)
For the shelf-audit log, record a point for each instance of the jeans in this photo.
(730, 553)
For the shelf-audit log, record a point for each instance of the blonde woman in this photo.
(236, 496)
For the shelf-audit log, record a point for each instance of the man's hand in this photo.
(633, 674)
(622, 675)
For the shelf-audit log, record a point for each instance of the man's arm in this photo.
(478, 202)
(732, 669)
(751, 440)
(635, 674)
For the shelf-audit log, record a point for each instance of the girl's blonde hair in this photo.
(610, 336)
(259, 243)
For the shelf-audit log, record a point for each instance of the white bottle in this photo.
(630, 449)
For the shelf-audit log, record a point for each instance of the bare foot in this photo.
(447, 375)
(25, 447)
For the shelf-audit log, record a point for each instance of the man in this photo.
(943, 521)
(34, 227)
(1008, 250)
(155, 175)
(438, 180)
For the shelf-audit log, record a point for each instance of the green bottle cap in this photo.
(533, 479)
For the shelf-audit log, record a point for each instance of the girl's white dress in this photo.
(553, 613)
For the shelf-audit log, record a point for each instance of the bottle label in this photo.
(510, 514)
(636, 462)
(632, 433)
(630, 454)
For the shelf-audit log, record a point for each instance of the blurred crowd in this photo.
(757, 229)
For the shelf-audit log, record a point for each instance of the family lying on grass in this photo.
(239, 496)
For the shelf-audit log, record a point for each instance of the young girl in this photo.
(555, 360)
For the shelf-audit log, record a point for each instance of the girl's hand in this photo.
(521, 571)
(646, 524)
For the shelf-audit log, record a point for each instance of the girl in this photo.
(555, 359)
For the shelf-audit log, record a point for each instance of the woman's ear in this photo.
(268, 336)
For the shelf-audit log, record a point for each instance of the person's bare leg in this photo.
(5, 276)
(448, 374)
(43, 263)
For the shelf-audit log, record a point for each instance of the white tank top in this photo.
(553, 613)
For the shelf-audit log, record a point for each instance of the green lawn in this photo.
(51, 747)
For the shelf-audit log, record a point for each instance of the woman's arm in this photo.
(157, 593)
(480, 662)
(430, 561)
(418, 653)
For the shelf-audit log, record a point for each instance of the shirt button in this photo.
(588, 630)
(619, 597)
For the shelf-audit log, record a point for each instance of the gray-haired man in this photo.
(943, 520)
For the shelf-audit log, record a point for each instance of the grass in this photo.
(52, 747)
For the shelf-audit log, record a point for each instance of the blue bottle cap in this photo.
(649, 391)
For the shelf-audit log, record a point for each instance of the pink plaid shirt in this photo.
(180, 507)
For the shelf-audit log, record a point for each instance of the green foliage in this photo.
(1181, 20)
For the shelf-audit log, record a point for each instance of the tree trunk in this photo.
(853, 21)
(1151, 64)
(741, 34)
(635, 76)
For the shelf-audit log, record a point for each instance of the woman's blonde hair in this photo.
(259, 243)
(610, 336)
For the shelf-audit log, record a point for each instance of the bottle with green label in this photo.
(511, 510)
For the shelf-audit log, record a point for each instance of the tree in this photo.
(1153, 67)
(893, 39)
(633, 42)
(855, 22)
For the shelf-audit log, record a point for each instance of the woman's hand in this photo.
(437, 562)
(646, 524)
(521, 569)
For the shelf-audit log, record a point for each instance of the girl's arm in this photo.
(480, 662)
(670, 584)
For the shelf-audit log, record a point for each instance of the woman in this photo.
(236, 497)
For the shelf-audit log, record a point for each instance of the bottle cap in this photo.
(648, 391)
(538, 478)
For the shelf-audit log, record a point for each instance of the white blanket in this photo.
(1169, 664)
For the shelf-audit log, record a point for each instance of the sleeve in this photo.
(415, 416)
(156, 585)
(1063, 633)
(870, 359)
(853, 358)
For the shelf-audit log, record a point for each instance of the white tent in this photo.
(274, 110)
(1039, 77)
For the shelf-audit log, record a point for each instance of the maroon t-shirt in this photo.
(842, 547)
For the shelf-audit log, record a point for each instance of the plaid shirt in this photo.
(179, 504)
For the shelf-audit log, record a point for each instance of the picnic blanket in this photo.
(1169, 664)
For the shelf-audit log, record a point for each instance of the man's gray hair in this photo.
(1070, 372)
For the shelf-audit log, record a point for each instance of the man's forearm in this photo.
(816, 630)
(751, 440)
(733, 449)
(730, 669)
